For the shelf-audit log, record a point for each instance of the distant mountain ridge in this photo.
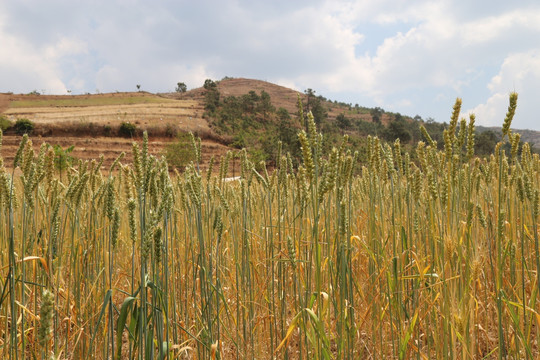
(530, 136)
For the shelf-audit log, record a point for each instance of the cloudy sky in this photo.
(413, 57)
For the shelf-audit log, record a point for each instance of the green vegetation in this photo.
(5, 123)
(180, 153)
(62, 158)
(314, 104)
(252, 122)
(24, 126)
(211, 97)
(397, 129)
(127, 129)
(181, 87)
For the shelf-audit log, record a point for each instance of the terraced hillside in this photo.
(90, 122)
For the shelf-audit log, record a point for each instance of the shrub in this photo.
(62, 158)
(127, 129)
(343, 122)
(171, 130)
(24, 126)
(179, 153)
(239, 142)
(5, 123)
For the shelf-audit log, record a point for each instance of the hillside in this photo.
(281, 97)
(530, 136)
(91, 122)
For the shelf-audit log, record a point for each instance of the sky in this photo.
(409, 56)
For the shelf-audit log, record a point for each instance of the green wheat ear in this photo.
(455, 116)
(45, 319)
(510, 114)
(18, 155)
(470, 137)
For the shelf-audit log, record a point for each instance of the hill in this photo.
(530, 136)
(228, 114)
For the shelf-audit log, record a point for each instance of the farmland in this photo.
(90, 123)
(428, 254)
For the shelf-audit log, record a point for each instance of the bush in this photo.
(397, 129)
(24, 126)
(127, 129)
(171, 130)
(62, 158)
(343, 122)
(179, 153)
(4, 123)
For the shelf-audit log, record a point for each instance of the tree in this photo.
(343, 122)
(376, 114)
(181, 87)
(397, 129)
(369, 127)
(318, 111)
(265, 104)
(138, 87)
(288, 134)
(212, 100)
(212, 95)
(209, 84)
(249, 101)
(310, 95)
(62, 158)
(484, 143)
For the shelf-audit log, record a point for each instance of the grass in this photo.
(333, 260)
(91, 101)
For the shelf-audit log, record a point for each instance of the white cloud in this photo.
(22, 68)
(25, 66)
(445, 53)
(521, 73)
(407, 56)
(65, 47)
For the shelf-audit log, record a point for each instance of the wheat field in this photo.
(429, 254)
